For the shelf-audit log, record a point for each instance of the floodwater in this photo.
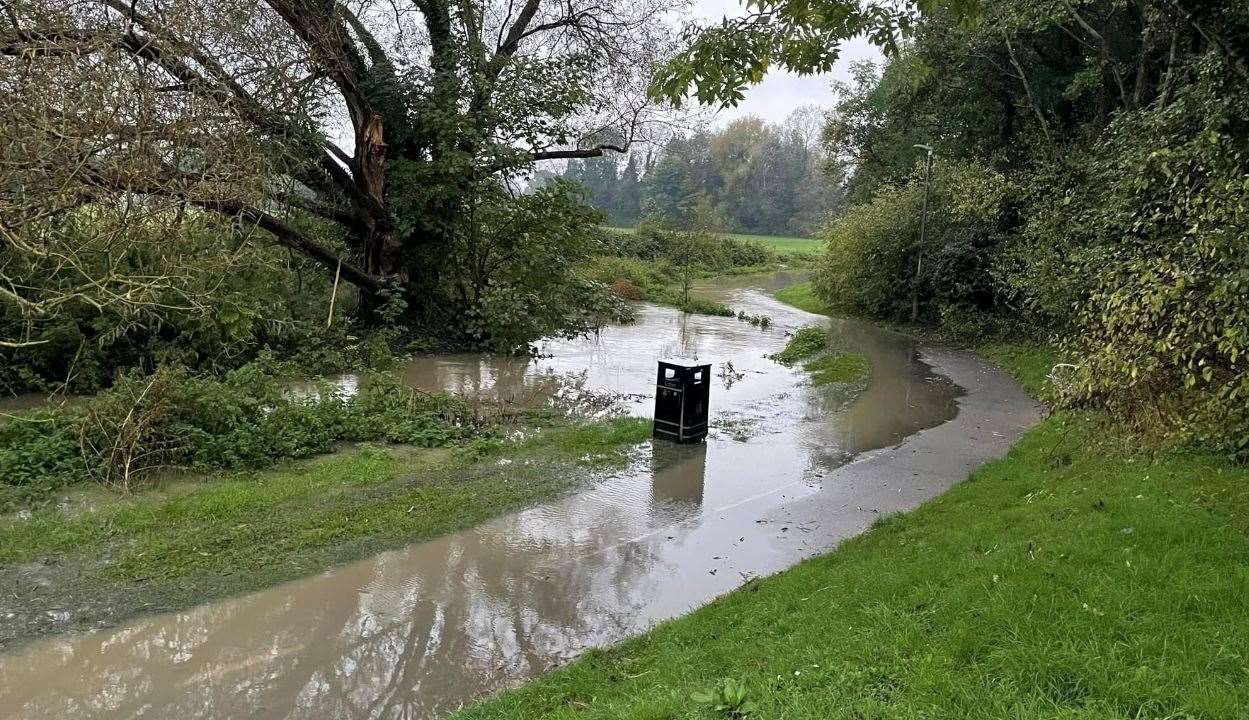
(33, 401)
(788, 470)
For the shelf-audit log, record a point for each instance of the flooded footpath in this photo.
(788, 471)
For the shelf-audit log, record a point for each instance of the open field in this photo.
(780, 243)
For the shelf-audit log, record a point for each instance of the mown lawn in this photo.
(198, 539)
(1072, 579)
(781, 243)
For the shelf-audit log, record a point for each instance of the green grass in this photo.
(1029, 362)
(802, 296)
(781, 243)
(843, 367)
(804, 343)
(199, 539)
(1072, 579)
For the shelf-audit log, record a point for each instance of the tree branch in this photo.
(597, 151)
(284, 233)
(291, 238)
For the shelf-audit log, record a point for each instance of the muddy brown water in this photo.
(788, 471)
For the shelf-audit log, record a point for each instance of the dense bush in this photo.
(1143, 257)
(1110, 215)
(869, 267)
(39, 453)
(507, 278)
(273, 301)
(511, 272)
(247, 419)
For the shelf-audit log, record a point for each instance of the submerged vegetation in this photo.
(830, 367)
(842, 367)
(248, 419)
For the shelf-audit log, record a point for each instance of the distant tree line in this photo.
(749, 176)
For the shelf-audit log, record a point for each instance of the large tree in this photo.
(354, 133)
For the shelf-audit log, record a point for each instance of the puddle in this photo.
(421, 631)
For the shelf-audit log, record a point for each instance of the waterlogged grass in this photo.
(1072, 579)
(200, 539)
(802, 296)
(1078, 577)
(844, 367)
(804, 343)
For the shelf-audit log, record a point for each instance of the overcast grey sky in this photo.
(781, 92)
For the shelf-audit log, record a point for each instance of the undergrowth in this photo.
(244, 420)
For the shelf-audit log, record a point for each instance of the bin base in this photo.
(677, 434)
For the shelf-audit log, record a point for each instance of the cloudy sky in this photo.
(781, 92)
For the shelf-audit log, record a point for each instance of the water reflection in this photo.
(678, 473)
(416, 632)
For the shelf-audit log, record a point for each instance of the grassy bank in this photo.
(802, 296)
(1078, 577)
(1074, 578)
(102, 557)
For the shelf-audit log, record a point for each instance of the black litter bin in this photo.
(681, 394)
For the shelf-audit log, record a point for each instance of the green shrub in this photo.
(869, 267)
(511, 272)
(38, 455)
(658, 246)
(1138, 251)
(701, 306)
(610, 269)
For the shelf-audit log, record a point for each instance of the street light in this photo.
(923, 229)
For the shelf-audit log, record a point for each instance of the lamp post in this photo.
(923, 230)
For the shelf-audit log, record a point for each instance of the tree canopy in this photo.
(360, 134)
